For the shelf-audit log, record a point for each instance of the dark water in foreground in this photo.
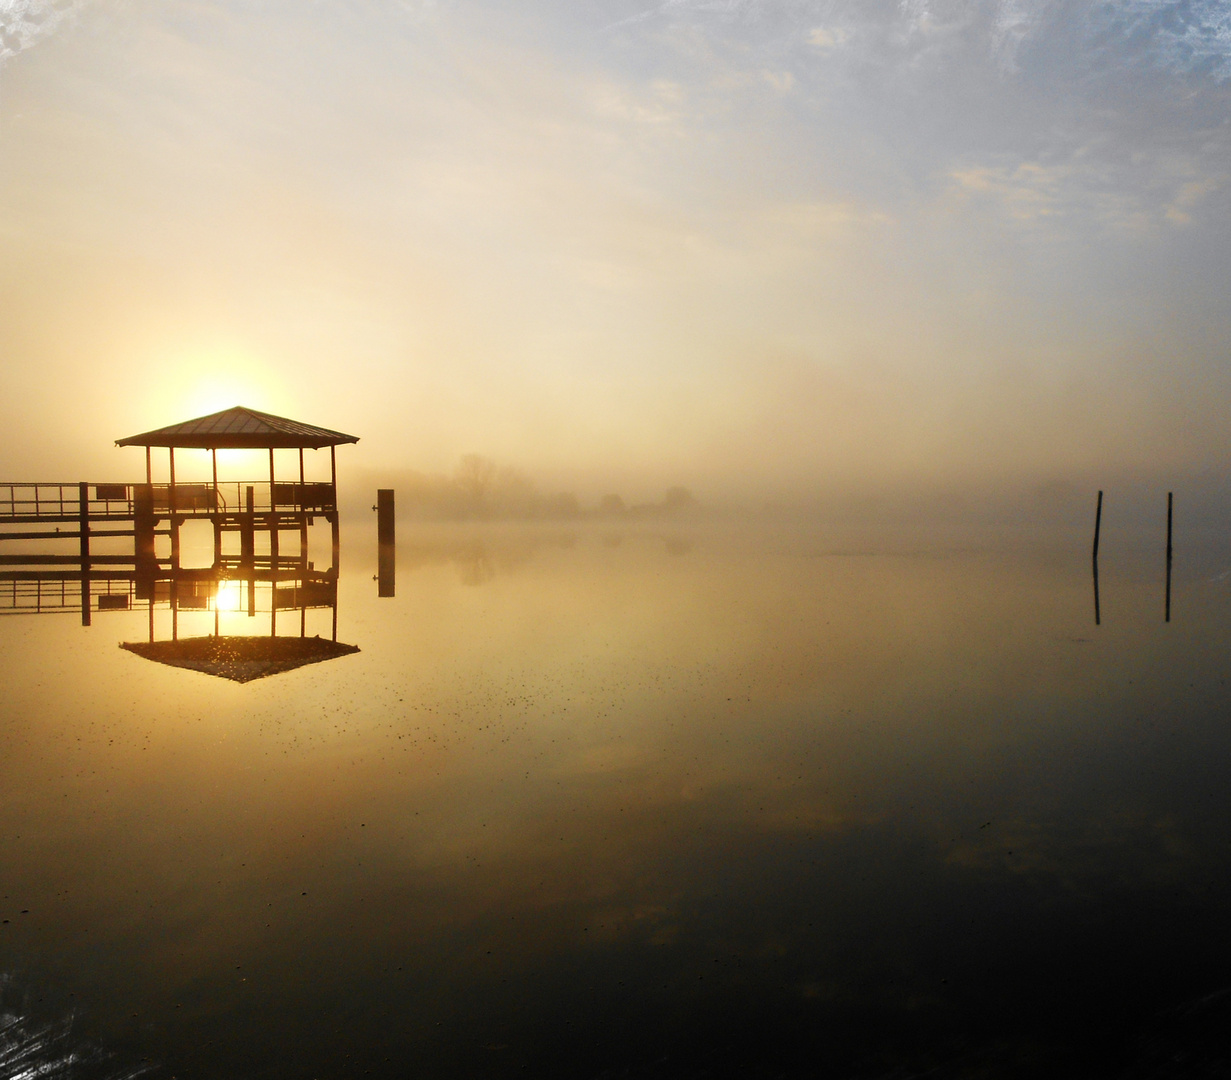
(598, 804)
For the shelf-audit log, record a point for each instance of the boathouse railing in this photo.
(33, 502)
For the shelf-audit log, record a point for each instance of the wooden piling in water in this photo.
(1098, 521)
(1167, 616)
(384, 516)
(386, 543)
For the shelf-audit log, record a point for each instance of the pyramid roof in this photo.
(241, 659)
(240, 428)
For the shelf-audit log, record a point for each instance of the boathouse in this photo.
(37, 574)
(237, 505)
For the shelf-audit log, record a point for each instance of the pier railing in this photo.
(34, 502)
(62, 502)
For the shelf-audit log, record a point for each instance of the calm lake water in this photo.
(595, 802)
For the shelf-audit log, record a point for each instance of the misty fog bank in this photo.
(480, 490)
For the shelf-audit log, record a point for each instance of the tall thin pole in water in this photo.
(1098, 521)
(1169, 505)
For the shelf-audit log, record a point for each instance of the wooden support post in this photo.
(149, 468)
(247, 530)
(216, 516)
(273, 545)
(175, 521)
(337, 538)
(83, 518)
(252, 594)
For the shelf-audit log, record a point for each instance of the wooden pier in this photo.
(34, 515)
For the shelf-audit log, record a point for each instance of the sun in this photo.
(229, 597)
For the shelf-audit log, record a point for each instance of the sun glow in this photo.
(229, 596)
(209, 378)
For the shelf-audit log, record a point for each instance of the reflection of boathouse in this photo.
(265, 573)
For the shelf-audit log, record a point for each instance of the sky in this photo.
(762, 248)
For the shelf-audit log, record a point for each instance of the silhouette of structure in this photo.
(38, 580)
(237, 506)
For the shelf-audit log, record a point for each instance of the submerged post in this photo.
(1167, 617)
(384, 517)
(1098, 521)
(386, 541)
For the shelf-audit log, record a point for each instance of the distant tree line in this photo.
(481, 490)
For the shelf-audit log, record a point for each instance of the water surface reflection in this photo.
(718, 804)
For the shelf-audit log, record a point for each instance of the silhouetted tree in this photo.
(678, 498)
(474, 478)
(612, 506)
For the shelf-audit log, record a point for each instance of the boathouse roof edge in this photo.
(240, 428)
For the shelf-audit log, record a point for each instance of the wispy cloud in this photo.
(1149, 193)
(670, 8)
(1178, 35)
(25, 22)
(1182, 35)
